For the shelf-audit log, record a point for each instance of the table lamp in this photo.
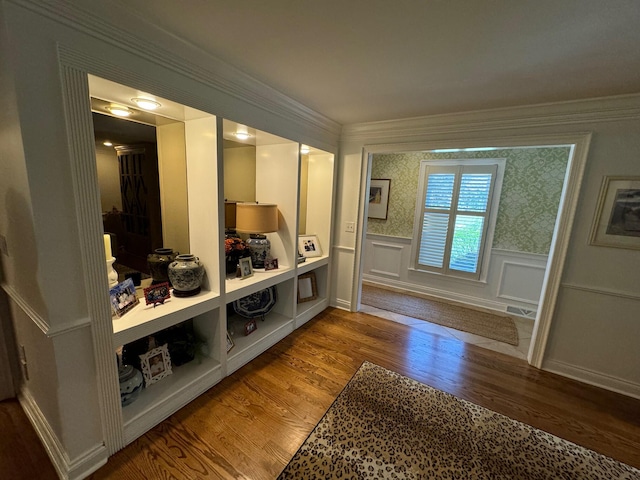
(256, 219)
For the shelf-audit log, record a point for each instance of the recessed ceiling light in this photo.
(304, 149)
(146, 103)
(107, 143)
(242, 135)
(119, 110)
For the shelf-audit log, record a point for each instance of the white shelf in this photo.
(241, 287)
(160, 400)
(312, 263)
(270, 331)
(145, 320)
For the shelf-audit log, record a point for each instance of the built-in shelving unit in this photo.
(200, 156)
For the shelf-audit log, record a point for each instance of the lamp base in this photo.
(260, 247)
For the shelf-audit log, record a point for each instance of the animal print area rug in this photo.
(385, 425)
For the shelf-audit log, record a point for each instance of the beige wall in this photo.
(240, 174)
(108, 178)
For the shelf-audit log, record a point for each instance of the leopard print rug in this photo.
(384, 425)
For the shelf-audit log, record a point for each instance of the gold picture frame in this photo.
(617, 218)
(307, 287)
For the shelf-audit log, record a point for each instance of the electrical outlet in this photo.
(23, 362)
(3, 245)
(351, 227)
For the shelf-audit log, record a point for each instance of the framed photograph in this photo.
(307, 287)
(617, 219)
(246, 267)
(155, 364)
(271, 264)
(157, 294)
(123, 297)
(379, 198)
(230, 343)
(309, 246)
(250, 327)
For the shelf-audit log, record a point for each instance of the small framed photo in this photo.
(307, 287)
(309, 246)
(271, 264)
(155, 364)
(230, 343)
(379, 198)
(123, 297)
(617, 219)
(246, 267)
(250, 326)
(157, 294)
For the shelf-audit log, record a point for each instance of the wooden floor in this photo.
(251, 423)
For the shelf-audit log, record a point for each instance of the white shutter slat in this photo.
(433, 239)
(474, 192)
(439, 190)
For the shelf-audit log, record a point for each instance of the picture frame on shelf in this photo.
(379, 190)
(155, 364)
(307, 287)
(157, 294)
(230, 343)
(250, 327)
(123, 297)
(271, 264)
(309, 246)
(616, 221)
(246, 267)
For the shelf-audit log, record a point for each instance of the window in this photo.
(454, 215)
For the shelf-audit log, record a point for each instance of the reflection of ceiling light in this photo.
(242, 135)
(304, 149)
(107, 143)
(119, 110)
(146, 103)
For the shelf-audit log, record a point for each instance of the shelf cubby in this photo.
(186, 382)
(305, 311)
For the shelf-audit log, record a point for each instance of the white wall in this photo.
(593, 276)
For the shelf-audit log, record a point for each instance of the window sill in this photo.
(481, 281)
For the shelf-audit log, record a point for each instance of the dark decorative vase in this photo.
(159, 262)
(231, 264)
(185, 274)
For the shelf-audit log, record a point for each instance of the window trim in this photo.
(485, 247)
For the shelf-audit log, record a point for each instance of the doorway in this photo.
(575, 156)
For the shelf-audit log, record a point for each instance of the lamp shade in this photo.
(256, 217)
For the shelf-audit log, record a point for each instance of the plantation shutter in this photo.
(455, 217)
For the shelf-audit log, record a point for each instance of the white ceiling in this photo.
(369, 60)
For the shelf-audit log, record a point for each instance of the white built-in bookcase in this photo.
(278, 179)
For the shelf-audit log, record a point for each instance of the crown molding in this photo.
(604, 109)
(201, 66)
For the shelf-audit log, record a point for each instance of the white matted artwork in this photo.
(617, 219)
(379, 189)
(155, 364)
(309, 246)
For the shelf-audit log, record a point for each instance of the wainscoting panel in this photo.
(387, 259)
(514, 278)
(517, 281)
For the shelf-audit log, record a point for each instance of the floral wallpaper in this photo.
(529, 200)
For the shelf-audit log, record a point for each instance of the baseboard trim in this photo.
(591, 377)
(67, 469)
(441, 294)
(341, 304)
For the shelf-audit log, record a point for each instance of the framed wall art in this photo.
(379, 198)
(309, 246)
(155, 364)
(617, 219)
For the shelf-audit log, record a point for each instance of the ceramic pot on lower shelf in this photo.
(130, 384)
(185, 274)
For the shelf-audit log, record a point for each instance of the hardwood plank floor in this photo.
(251, 424)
